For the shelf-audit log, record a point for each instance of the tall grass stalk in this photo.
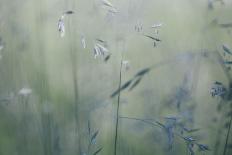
(218, 138)
(118, 108)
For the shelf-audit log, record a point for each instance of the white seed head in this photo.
(107, 3)
(25, 91)
(61, 27)
(157, 25)
(96, 51)
(126, 64)
(83, 41)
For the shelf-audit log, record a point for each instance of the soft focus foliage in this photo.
(175, 92)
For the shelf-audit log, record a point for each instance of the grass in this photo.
(67, 78)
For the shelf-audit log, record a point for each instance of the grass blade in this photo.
(135, 83)
(96, 152)
(127, 84)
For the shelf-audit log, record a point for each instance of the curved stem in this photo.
(147, 121)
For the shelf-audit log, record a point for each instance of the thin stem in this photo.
(156, 123)
(143, 120)
(118, 106)
(219, 131)
(227, 137)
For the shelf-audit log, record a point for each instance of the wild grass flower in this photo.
(25, 92)
(157, 25)
(100, 50)
(218, 89)
(126, 64)
(83, 42)
(170, 128)
(61, 25)
(138, 26)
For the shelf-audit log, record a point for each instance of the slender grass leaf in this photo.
(160, 124)
(218, 83)
(69, 12)
(137, 81)
(190, 130)
(226, 25)
(153, 38)
(93, 138)
(127, 84)
(96, 152)
(142, 72)
(100, 40)
(107, 58)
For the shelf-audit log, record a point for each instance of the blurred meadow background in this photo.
(117, 77)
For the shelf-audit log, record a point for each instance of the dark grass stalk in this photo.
(218, 141)
(227, 137)
(117, 114)
(218, 138)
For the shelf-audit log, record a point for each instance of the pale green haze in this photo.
(62, 63)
